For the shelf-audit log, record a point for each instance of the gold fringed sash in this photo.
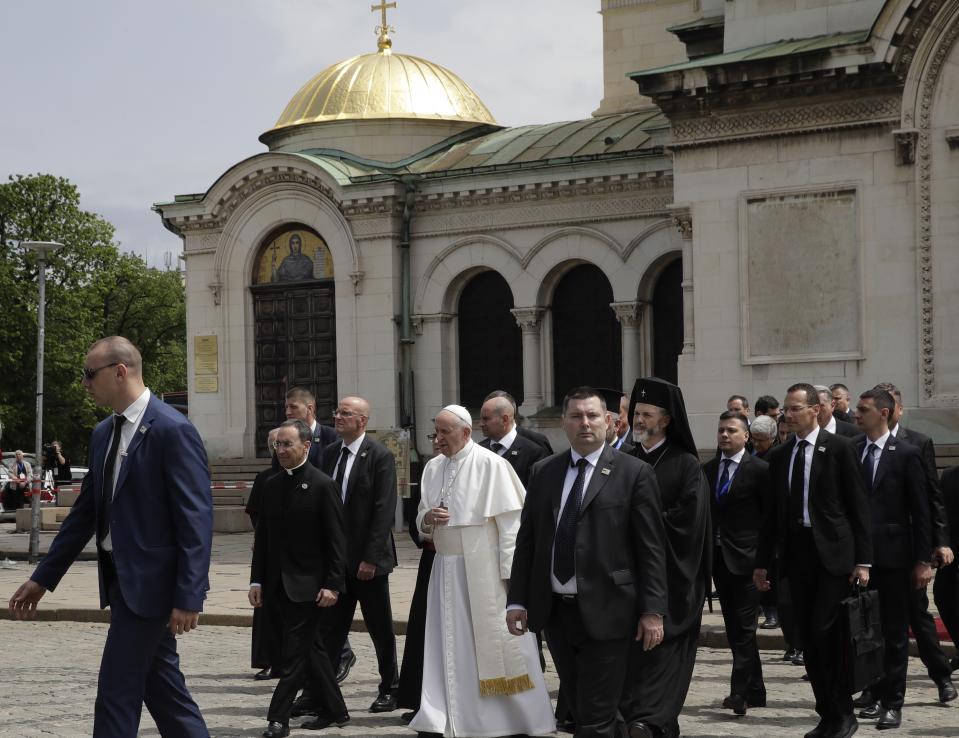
(503, 686)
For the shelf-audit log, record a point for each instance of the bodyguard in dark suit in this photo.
(921, 622)
(589, 565)
(530, 435)
(946, 586)
(827, 417)
(301, 405)
(739, 483)
(365, 474)
(895, 480)
(819, 521)
(299, 550)
(498, 425)
(147, 499)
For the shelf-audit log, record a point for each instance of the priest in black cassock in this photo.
(658, 680)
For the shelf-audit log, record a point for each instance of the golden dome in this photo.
(384, 85)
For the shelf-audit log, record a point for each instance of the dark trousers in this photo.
(303, 653)
(373, 596)
(140, 666)
(265, 639)
(787, 613)
(927, 636)
(411, 674)
(945, 590)
(591, 671)
(816, 597)
(893, 586)
(739, 599)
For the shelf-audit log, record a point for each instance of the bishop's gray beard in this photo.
(640, 437)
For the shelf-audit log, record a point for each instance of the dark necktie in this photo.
(869, 465)
(341, 471)
(564, 546)
(496, 447)
(722, 488)
(109, 464)
(797, 482)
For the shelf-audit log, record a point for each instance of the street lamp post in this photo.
(42, 249)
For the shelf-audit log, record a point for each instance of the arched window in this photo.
(490, 343)
(587, 346)
(668, 321)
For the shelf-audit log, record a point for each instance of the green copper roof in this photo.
(791, 47)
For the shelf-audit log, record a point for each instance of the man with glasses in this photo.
(147, 500)
(364, 471)
(820, 525)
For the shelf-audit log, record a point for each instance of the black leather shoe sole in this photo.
(344, 671)
(384, 703)
(872, 712)
(276, 730)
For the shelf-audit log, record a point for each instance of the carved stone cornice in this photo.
(682, 218)
(528, 318)
(421, 319)
(379, 206)
(628, 313)
(791, 119)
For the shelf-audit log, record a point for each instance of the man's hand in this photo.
(437, 516)
(862, 574)
(516, 622)
(182, 621)
(23, 604)
(650, 631)
(944, 555)
(255, 595)
(326, 598)
(760, 580)
(366, 571)
(921, 575)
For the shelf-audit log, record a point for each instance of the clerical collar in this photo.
(463, 452)
(650, 450)
(290, 471)
(738, 457)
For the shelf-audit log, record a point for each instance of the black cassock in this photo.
(266, 635)
(658, 680)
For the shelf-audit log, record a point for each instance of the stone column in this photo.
(683, 220)
(629, 314)
(529, 320)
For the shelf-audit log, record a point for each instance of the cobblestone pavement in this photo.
(50, 671)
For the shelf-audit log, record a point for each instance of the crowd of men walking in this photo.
(605, 554)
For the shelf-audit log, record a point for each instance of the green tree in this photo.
(93, 290)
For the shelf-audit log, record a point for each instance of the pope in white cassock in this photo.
(478, 680)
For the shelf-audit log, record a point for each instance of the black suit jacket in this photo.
(950, 494)
(323, 436)
(620, 545)
(370, 505)
(939, 521)
(522, 454)
(299, 543)
(838, 509)
(898, 505)
(738, 517)
(847, 429)
(536, 437)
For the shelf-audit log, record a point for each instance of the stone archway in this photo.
(294, 330)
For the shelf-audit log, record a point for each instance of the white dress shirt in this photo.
(571, 473)
(354, 450)
(133, 415)
(831, 425)
(807, 466)
(506, 442)
(735, 460)
(881, 444)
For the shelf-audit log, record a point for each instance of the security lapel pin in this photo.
(143, 429)
(605, 471)
(304, 485)
(821, 449)
(514, 453)
(363, 455)
(891, 448)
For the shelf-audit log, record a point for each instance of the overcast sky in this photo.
(137, 101)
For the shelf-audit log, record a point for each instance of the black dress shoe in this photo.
(790, 654)
(325, 721)
(871, 712)
(264, 674)
(736, 703)
(820, 731)
(407, 717)
(866, 699)
(770, 623)
(384, 703)
(891, 718)
(845, 728)
(303, 707)
(799, 659)
(640, 730)
(276, 730)
(345, 665)
(947, 692)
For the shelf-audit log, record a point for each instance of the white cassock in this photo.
(478, 680)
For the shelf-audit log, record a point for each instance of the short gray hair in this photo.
(763, 426)
(302, 429)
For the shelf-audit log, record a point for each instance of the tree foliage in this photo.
(92, 290)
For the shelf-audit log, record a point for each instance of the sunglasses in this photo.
(89, 374)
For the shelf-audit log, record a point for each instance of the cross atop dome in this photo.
(383, 31)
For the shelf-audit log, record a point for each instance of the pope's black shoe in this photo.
(947, 692)
(276, 730)
(891, 718)
(324, 721)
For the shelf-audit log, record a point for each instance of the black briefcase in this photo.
(862, 642)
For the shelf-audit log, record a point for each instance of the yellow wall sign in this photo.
(205, 364)
(206, 383)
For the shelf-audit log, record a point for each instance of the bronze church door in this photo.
(294, 328)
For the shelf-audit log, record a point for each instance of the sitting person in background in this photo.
(21, 472)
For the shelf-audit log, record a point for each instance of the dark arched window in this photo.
(587, 346)
(490, 343)
(668, 321)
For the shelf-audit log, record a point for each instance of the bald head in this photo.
(350, 417)
(496, 418)
(112, 374)
(119, 350)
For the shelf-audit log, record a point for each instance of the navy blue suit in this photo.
(161, 527)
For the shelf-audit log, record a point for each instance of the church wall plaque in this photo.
(801, 275)
(205, 364)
